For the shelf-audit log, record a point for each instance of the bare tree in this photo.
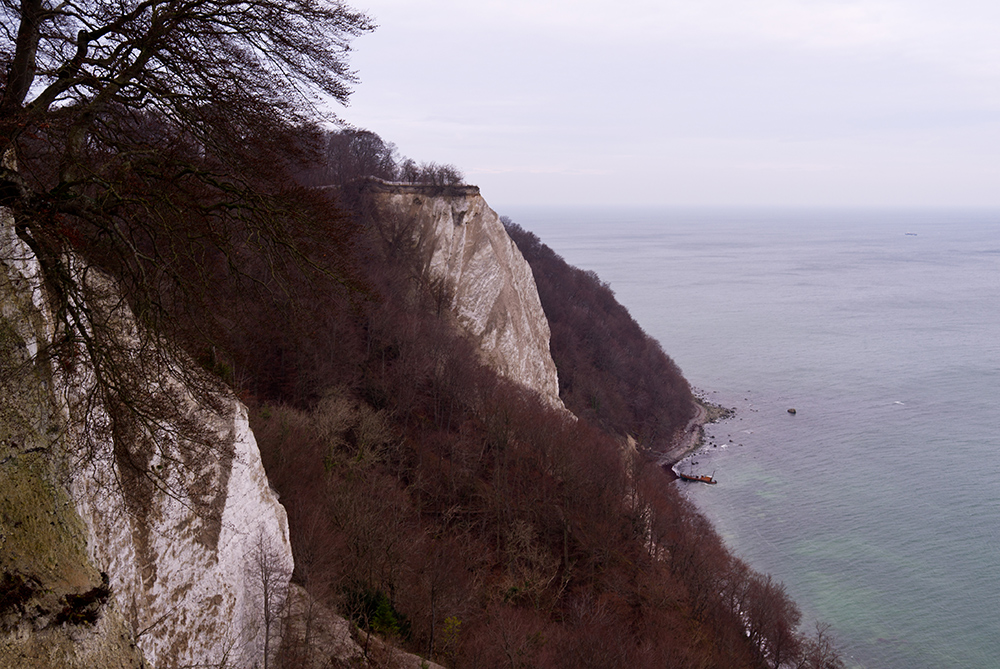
(819, 651)
(152, 137)
(437, 175)
(268, 576)
(148, 132)
(352, 154)
(771, 621)
(409, 171)
(100, 94)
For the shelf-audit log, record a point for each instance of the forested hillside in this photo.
(169, 156)
(435, 503)
(432, 501)
(610, 370)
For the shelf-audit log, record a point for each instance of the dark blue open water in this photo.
(878, 503)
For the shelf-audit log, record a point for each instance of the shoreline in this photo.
(693, 436)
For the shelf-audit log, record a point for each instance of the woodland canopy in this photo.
(170, 142)
(149, 133)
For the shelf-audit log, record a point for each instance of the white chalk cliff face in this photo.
(486, 281)
(125, 542)
(178, 516)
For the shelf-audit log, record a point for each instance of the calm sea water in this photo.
(878, 502)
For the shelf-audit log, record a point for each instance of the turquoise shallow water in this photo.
(878, 502)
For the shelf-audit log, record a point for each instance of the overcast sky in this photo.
(704, 102)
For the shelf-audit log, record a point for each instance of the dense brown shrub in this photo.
(610, 371)
(433, 501)
(350, 154)
(428, 499)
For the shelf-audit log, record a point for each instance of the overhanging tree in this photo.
(123, 122)
(152, 137)
(87, 77)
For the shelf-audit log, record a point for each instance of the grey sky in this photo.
(725, 102)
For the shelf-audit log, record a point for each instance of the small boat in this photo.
(697, 479)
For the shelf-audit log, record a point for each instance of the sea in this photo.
(877, 503)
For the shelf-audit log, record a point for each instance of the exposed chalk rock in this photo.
(177, 513)
(484, 278)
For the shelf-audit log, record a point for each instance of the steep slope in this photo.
(55, 609)
(610, 370)
(158, 530)
(480, 275)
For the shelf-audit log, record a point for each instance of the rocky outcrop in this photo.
(321, 638)
(140, 530)
(56, 607)
(481, 277)
(124, 534)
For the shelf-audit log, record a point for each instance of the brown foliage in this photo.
(352, 154)
(501, 531)
(489, 529)
(154, 138)
(610, 371)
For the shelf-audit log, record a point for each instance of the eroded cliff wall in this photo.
(126, 541)
(55, 604)
(484, 279)
(119, 535)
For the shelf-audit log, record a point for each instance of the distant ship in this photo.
(697, 479)
(912, 234)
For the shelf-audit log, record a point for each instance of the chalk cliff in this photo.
(483, 278)
(121, 541)
(134, 538)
